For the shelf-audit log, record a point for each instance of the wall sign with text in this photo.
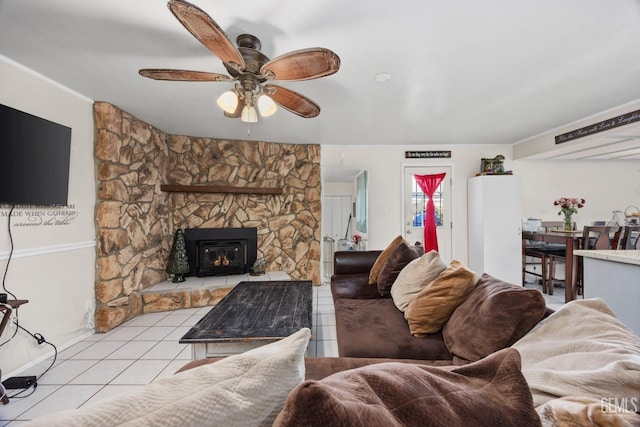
(34, 216)
(427, 154)
(602, 126)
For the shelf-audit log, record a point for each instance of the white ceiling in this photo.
(462, 71)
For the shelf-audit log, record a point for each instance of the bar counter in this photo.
(614, 276)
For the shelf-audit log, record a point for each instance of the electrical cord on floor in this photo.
(41, 340)
(18, 395)
(38, 337)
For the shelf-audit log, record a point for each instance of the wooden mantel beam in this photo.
(219, 189)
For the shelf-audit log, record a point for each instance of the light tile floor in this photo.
(554, 301)
(131, 356)
(141, 351)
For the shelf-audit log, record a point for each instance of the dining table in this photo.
(571, 240)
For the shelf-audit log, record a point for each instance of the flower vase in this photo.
(568, 224)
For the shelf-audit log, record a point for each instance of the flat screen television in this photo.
(34, 159)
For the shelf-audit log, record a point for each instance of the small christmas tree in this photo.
(178, 261)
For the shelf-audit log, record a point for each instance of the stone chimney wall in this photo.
(136, 220)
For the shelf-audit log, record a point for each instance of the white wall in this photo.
(338, 188)
(606, 185)
(53, 266)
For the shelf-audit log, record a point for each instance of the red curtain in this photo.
(429, 184)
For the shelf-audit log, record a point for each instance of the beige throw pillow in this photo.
(244, 389)
(382, 259)
(432, 306)
(415, 276)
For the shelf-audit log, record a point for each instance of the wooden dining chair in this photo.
(630, 238)
(534, 254)
(534, 251)
(593, 237)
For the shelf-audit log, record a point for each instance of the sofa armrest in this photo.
(354, 262)
(353, 286)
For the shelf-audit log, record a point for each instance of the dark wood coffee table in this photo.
(251, 315)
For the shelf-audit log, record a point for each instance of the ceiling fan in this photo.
(249, 68)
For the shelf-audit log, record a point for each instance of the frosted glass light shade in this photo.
(228, 101)
(266, 106)
(249, 114)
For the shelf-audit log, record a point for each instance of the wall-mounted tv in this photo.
(34, 159)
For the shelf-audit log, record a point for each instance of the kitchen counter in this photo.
(623, 256)
(614, 276)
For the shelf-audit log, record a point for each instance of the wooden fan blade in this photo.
(205, 29)
(292, 101)
(183, 75)
(304, 64)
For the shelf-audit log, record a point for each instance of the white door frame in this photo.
(403, 166)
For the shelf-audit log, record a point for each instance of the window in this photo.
(419, 201)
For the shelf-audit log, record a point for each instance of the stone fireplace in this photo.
(136, 219)
(220, 251)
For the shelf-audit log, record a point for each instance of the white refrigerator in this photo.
(494, 222)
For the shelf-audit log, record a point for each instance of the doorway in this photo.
(413, 207)
(338, 212)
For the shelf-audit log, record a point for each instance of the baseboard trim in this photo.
(44, 250)
(48, 355)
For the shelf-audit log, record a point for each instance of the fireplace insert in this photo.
(220, 257)
(220, 251)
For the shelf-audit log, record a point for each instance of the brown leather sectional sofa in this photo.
(371, 330)
(369, 325)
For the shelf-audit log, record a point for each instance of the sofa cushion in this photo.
(432, 306)
(415, 276)
(402, 255)
(495, 315)
(244, 389)
(382, 259)
(375, 328)
(491, 392)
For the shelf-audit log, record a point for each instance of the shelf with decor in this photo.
(170, 188)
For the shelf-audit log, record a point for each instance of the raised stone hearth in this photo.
(136, 220)
(197, 291)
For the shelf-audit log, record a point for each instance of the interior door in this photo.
(414, 202)
(338, 214)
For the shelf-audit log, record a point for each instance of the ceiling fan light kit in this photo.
(266, 106)
(250, 68)
(228, 101)
(249, 114)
